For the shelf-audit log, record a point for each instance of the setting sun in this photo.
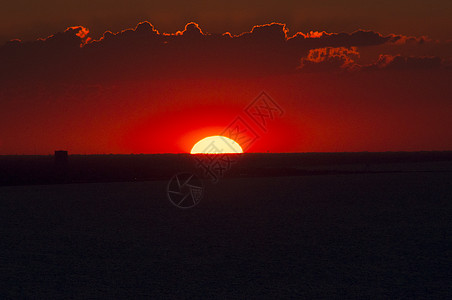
(215, 145)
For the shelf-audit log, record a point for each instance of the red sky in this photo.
(145, 91)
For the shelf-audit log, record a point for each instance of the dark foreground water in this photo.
(360, 236)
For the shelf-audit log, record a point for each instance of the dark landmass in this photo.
(372, 225)
(29, 169)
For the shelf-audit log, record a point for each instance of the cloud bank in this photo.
(144, 52)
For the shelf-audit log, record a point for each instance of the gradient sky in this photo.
(349, 75)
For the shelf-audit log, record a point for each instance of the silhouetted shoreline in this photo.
(42, 169)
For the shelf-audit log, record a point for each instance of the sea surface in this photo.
(373, 235)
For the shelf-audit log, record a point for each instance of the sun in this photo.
(216, 144)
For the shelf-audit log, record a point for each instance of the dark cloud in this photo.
(355, 39)
(50, 57)
(144, 52)
(406, 62)
(330, 58)
(344, 59)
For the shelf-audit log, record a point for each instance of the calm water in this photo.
(368, 235)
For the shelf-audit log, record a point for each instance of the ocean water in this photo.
(351, 235)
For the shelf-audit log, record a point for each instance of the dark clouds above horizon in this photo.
(28, 19)
(361, 90)
(266, 50)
